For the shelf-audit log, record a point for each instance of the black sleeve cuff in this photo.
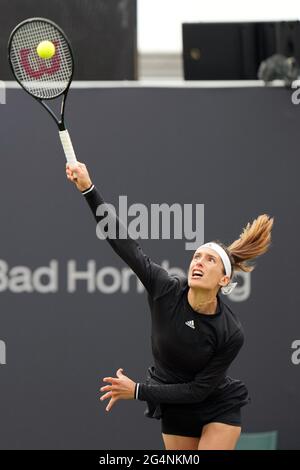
(136, 391)
(86, 191)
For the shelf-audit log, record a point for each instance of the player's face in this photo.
(206, 270)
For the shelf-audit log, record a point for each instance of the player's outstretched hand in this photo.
(121, 388)
(79, 175)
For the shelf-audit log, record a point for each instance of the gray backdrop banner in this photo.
(235, 150)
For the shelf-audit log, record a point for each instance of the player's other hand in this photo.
(79, 175)
(121, 388)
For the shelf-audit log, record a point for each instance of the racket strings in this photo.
(42, 78)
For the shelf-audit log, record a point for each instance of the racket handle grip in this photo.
(67, 146)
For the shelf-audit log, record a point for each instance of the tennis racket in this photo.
(44, 79)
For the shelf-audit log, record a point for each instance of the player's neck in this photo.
(202, 301)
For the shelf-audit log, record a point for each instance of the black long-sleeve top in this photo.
(192, 351)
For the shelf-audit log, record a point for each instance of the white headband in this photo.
(226, 262)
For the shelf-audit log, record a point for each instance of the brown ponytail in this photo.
(254, 240)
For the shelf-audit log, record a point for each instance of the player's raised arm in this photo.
(156, 280)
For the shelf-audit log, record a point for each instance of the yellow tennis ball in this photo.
(46, 49)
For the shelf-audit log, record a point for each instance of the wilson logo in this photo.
(54, 63)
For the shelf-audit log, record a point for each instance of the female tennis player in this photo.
(195, 335)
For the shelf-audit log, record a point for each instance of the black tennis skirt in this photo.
(222, 406)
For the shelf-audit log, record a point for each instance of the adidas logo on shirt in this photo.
(190, 324)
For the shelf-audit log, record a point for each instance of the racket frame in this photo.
(60, 122)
